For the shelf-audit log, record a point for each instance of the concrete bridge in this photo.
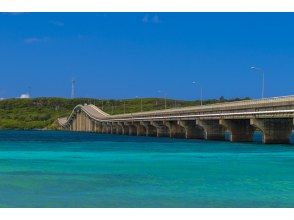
(272, 116)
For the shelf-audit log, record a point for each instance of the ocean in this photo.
(77, 169)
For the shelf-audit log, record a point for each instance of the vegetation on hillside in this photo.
(42, 113)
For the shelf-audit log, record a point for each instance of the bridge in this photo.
(272, 116)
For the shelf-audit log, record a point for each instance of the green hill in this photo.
(42, 113)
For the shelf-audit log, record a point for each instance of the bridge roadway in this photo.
(272, 116)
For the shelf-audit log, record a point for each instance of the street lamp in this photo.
(201, 92)
(165, 94)
(262, 72)
(124, 106)
(141, 103)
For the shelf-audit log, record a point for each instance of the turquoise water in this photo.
(63, 169)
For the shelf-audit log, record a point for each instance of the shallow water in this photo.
(64, 169)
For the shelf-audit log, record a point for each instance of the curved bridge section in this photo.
(273, 117)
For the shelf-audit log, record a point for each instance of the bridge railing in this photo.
(228, 107)
(222, 106)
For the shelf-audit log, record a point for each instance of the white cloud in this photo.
(15, 13)
(57, 23)
(155, 19)
(32, 40)
(145, 18)
(24, 96)
(151, 19)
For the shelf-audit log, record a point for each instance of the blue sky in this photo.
(123, 55)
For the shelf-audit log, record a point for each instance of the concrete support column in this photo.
(212, 129)
(83, 121)
(109, 128)
(77, 121)
(123, 128)
(88, 123)
(115, 128)
(275, 130)
(161, 129)
(73, 124)
(95, 126)
(78, 116)
(104, 128)
(150, 129)
(192, 131)
(91, 127)
(140, 129)
(132, 129)
(98, 127)
(240, 129)
(175, 130)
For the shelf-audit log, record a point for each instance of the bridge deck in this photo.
(271, 107)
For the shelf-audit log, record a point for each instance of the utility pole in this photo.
(201, 92)
(141, 100)
(165, 94)
(262, 85)
(29, 92)
(165, 101)
(73, 84)
(141, 104)
(124, 107)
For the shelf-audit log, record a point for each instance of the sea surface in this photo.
(64, 169)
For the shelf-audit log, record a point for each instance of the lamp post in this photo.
(262, 72)
(165, 100)
(201, 91)
(141, 103)
(165, 94)
(124, 106)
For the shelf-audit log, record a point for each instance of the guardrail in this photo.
(176, 112)
(243, 103)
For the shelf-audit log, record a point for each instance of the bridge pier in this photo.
(121, 128)
(175, 130)
(240, 129)
(78, 116)
(212, 129)
(140, 129)
(161, 129)
(92, 125)
(83, 122)
(74, 124)
(81, 116)
(98, 127)
(116, 129)
(275, 130)
(150, 129)
(108, 128)
(192, 131)
(88, 123)
(132, 129)
(104, 128)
